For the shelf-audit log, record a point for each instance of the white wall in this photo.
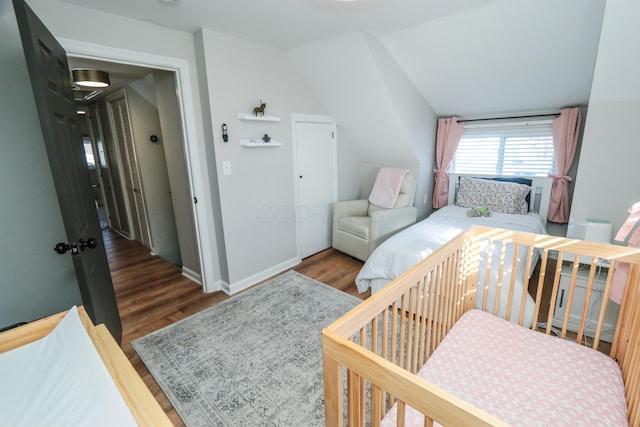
(379, 112)
(257, 198)
(608, 178)
(34, 280)
(419, 122)
(503, 57)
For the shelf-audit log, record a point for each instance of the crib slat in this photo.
(442, 330)
(587, 299)
(459, 283)
(353, 399)
(385, 333)
(444, 266)
(410, 323)
(437, 308)
(423, 323)
(402, 410)
(512, 282)
(430, 316)
(567, 310)
(402, 331)
(374, 335)
(503, 252)
(554, 292)
(487, 275)
(394, 340)
(450, 290)
(541, 276)
(377, 410)
(417, 334)
(603, 310)
(525, 288)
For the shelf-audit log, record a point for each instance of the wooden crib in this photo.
(372, 355)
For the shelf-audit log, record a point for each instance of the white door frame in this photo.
(306, 118)
(195, 151)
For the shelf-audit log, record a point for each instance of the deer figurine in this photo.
(260, 109)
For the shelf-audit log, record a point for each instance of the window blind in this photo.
(506, 149)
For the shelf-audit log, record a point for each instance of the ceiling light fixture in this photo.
(90, 78)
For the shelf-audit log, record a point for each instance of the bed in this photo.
(419, 352)
(405, 249)
(64, 371)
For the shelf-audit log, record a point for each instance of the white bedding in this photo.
(60, 380)
(405, 249)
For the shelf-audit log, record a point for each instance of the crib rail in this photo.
(372, 353)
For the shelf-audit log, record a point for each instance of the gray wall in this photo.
(34, 280)
(173, 144)
(608, 178)
(259, 241)
(154, 175)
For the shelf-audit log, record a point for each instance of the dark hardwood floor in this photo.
(152, 294)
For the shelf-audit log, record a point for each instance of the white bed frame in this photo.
(540, 191)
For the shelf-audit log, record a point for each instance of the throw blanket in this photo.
(622, 271)
(387, 187)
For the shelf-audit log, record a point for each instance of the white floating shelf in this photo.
(259, 143)
(244, 116)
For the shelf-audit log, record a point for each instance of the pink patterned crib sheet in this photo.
(523, 377)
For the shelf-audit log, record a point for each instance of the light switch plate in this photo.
(226, 168)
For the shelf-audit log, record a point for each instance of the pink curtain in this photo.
(447, 140)
(566, 131)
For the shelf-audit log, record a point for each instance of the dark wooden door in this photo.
(52, 89)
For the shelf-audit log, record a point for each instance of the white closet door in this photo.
(316, 155)
(130, 171)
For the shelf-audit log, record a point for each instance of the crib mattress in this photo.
(523, 377)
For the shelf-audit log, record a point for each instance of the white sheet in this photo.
(405, 249)
(60, 380)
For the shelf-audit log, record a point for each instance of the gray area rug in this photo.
(252, 360)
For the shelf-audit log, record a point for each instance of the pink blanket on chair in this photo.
(387, 187)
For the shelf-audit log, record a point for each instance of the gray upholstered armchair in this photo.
(359, 226)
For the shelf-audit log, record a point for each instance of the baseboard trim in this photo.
(192, 275)
(243, 284)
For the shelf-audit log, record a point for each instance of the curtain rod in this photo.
(513, 117)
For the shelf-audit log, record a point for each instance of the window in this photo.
(506, 149)
(88, 153)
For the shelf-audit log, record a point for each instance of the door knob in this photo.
(75, 248)
(91, 243)
(62, 248)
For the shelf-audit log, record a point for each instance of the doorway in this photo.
(315, 152)
(199, 199)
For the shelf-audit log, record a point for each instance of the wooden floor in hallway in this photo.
(152, 294)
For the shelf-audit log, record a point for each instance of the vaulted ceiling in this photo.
(465, 57)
